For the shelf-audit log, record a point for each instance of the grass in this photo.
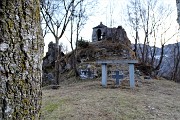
(154, 99)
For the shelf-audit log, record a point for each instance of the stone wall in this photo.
(21, 52)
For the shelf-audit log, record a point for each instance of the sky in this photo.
(112, 14)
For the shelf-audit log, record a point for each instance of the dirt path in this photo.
(154, 99)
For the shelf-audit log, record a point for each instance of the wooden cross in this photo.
(117, 76)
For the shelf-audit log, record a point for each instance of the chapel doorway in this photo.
(98, 32)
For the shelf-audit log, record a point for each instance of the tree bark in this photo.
(57, 62)
(178, 11)
(176, 63)
(21, 52)
(161, 58)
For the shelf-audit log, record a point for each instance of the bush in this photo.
(82, 43)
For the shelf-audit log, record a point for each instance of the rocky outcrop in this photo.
(49, 64)
(105, 49)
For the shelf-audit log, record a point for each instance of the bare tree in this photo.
(177, 60)
(78, 20)
(134, 20)
(57, 15)
(149, 17)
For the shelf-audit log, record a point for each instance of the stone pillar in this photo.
(131, 75)
(104, 74)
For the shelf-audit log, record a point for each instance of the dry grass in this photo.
(155, 99)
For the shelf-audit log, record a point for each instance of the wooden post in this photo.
(131, 75)
(104, 74)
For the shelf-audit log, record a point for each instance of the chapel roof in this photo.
(100, 26)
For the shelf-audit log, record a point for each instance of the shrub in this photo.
(82, 43)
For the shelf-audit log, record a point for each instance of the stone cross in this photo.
(117, 76)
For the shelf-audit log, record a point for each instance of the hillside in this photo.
(87, 100)
(86, 53)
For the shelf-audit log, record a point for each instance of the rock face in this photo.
(21, 52)
(169, 61)
(49, 64)
(49, 59)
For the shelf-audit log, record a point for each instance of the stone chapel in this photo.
(102, 32)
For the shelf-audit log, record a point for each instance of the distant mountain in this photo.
(170, 52)
(167, 65)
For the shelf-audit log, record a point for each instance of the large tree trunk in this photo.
(21, 52)
(178, 10)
